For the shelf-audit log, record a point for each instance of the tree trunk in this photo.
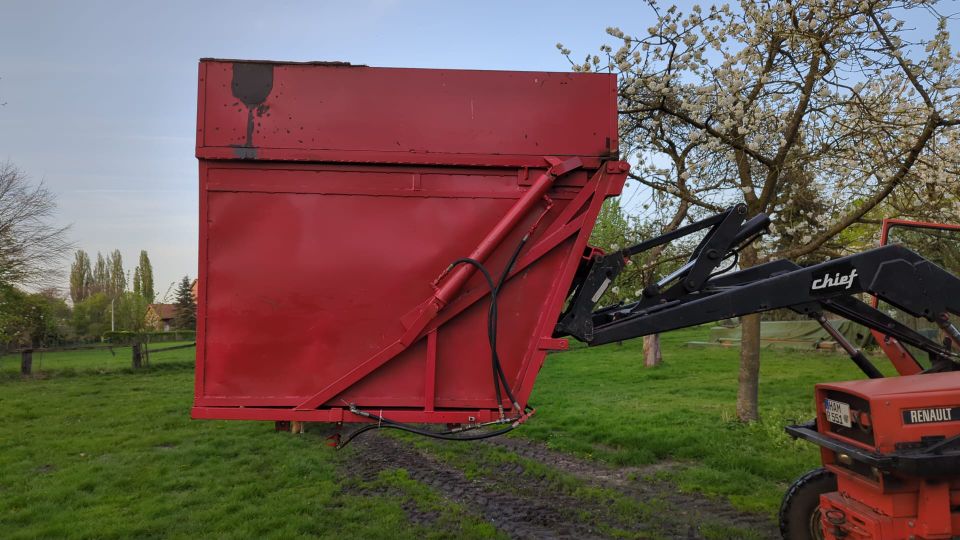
(749, 378)
(26, 362)
(651, 351)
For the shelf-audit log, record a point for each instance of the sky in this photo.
(100, 96)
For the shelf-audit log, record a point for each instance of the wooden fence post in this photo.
(137, 358)
(26, 361)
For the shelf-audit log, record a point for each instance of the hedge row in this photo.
(127, 337)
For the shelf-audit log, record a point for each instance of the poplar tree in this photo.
(117, 282)
(137, 287)
(101, 275)
(146, 277)
(81, 277)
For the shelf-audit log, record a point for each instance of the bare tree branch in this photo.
(31, 246)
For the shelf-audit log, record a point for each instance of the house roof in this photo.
(164, 311)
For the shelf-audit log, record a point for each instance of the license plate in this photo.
(838, 412)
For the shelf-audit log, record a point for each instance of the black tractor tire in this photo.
(800, 510)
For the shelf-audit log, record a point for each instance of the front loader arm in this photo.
(884, 271)
(727, 233)
(693, 295)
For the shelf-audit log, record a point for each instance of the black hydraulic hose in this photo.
(736, 259)
(499, 378)
(493, 320)
(443, 435)
(491, 330)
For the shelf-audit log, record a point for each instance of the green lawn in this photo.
(109, 452)
(116, 455)
(603, 403)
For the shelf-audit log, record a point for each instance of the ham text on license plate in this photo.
(838, 412)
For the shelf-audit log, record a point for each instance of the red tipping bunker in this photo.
(333, 201)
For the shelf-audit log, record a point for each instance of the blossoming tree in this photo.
(823, 113)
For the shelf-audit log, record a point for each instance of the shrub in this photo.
(127, 337)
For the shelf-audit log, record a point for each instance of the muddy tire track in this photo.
(527, 506)
(636, 482)
(517, 516)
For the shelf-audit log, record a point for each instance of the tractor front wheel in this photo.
(800, 511)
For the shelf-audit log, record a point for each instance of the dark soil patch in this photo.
(515, 515)
(637, 482)
(415, 514)
(527, 506)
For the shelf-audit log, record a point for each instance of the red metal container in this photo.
(334, 197)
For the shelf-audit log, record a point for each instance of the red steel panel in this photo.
(332, 199)
(350, 109)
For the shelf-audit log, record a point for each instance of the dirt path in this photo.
(530, 506)
(637, 483)
(518, 516)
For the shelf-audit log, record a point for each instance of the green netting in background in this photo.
(793, 334)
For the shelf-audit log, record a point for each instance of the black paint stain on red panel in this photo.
(252, 83)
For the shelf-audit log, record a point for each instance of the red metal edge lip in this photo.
(228, 153)
(337, 414)
(331, 63)
(340, 63)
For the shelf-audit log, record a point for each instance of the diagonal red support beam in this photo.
(560, 229)
(610, 183)
(450, 283)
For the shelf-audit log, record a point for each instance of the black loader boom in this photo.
(698, 293)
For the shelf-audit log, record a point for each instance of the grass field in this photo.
(605, 404)
(109, 452)
(113, 453)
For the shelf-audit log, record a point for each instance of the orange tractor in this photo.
(890, 446)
